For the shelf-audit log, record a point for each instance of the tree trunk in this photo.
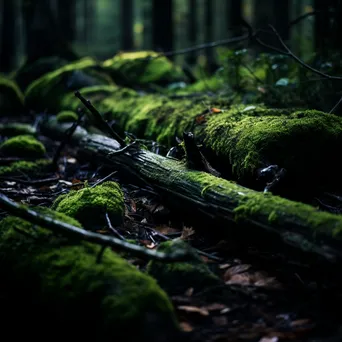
(8, 41)
(66, 16)
(162, 25)
(234, 17)
(192, 30)
(239, 211)
(126, 24)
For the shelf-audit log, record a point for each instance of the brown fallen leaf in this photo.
(186, 327)
(235, 270)
(269, 339)
(220, 320)
(187, 232)
(189, 308)
(215, 307)
(240, 279)
(189, 291)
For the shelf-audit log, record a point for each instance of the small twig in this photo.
(103, 240)
(336, 105)
(101, 121)
(113, 229)
(123, 150)
(68, 134)
(302, 17)
(30, 182)
(289, 53)
(103, 179)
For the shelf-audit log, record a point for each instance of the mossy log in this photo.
(237, 210)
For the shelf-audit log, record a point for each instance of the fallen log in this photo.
(236, 209)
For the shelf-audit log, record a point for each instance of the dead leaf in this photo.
(196, 309)
(189, 291)
(186, 327)
(215, 307)
(200, 119)
(235, 270)
(224, 266)
(186, 233)
(269, 339)
(215, 110)
(300, 322)
(240, 278)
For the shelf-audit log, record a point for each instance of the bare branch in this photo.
(68, 229)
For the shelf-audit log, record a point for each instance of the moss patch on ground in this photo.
(11, 98)
(28, 168)
(176, 278)
(16, 128)
(89, 205)
(59, 283)
(23, 146)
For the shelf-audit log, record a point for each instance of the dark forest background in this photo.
(100, 28)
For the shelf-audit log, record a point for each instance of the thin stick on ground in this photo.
(98, 117)
(103, 240)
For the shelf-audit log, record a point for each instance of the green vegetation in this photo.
(28, 168)
(66, 116)
(16, 128)
(178, 277)
(142, 68)
(65, 286)
(11, 98)
(89, 205)
(23, 146)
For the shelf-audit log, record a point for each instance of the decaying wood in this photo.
(233, 209)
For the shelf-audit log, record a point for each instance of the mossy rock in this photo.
(47, 91)
(89, 205)
(66, 116)
(16, 128)
(23, 146)
(142, 68)
(61, 283)
(28, 72)
(11, 98)
(176, 278)
(29, 168)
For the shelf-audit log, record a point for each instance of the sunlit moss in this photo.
(142, 68)
(28, 168)
(16, 128)
(23, 146)
(89, 205)
(66, 116)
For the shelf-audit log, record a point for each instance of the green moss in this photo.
(28, 72)
(23, 146)
(142, 68)
(66, 116)
(47, 91)
(175, 278)
(11, 98)
(301, 142)
(59, 283)
(28, 168)
(16, 128)
(89, 205)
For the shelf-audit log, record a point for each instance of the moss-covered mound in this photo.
(23, 146)
(11, 98)
(175, 278)
(142, 68)
(47, 91)
(302, 142)
(28, 168)
(66, 116)
(59, 283)
(29, 72)
(16, 128)
(89, 205)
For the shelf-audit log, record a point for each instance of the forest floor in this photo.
(265, 297)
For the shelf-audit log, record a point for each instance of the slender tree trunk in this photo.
(162, 25)
(8, 35)
(209, 35)
(234, 17)
(126, 24)
(66, 16)
(192, 30)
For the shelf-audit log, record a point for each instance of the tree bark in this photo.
(192, 30)
(162, 25)
(7, 41)
(66, 16)
(126, 24)
(241, 212)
